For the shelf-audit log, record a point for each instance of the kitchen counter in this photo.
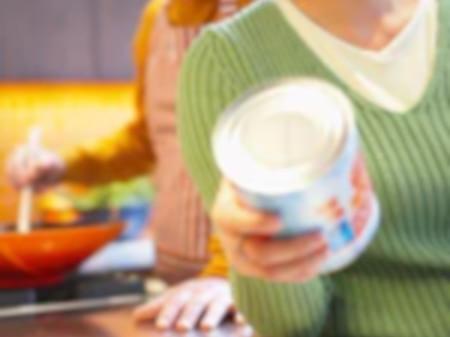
(104, 323)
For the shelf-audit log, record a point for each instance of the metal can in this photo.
(291, 148)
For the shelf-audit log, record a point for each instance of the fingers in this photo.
(201, 302)
(217, 311)
(16, 168)
(231, 214)
(246, 267)
(40, 170)
(150, 310)
(294, 259)
(269, 258)
(172, 308)
(194, 310)
(250, 243)
(301, 270)
(269, 251)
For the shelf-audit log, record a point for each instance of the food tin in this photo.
(291, 148)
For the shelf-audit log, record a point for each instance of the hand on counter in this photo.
(248, 237)
(40, 170)
(202, 302)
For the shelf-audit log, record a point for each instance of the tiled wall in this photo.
(59, 39)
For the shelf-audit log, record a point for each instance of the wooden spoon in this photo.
(26, 193)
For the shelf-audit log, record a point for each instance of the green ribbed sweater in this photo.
(400, 287)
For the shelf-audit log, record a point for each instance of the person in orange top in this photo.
(186, 249)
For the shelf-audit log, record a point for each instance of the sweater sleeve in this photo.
(207, 86)
(203, 93)
(128, 152)
(124, 154)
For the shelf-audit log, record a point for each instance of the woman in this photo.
(148, 143)
(390, 58)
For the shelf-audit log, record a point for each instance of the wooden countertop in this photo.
(104, 323)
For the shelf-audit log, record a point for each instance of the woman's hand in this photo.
(202, 302)
(248, 238)
(40, 169)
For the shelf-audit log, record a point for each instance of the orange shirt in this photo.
(149, 143)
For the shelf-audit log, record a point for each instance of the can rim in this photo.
(233, 113)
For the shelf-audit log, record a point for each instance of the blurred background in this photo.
(67, 40)
(67, 67)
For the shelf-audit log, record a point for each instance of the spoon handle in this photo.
(25, 209)
(26, 193)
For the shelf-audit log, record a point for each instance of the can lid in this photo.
(284, 136)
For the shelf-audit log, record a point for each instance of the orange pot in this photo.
(45, 256)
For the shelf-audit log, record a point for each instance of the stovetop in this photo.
(75, 294)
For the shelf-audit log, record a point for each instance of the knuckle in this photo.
(259, 251)
(265, 272)
(255, 220)
(268, 272)
(252, 250)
